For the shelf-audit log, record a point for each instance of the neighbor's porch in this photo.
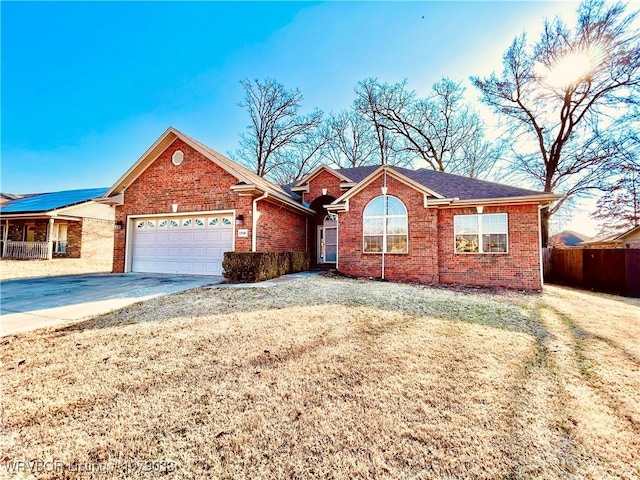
(39, 238)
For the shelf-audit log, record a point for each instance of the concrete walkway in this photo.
(34, 303)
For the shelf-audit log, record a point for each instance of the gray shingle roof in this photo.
(45, 202)
(446, 184)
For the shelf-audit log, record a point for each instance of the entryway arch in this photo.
(324, 244)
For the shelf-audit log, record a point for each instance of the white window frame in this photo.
(384, 218)
(55, 237)
(481, 233)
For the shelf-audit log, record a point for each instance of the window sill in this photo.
(386, 253)
(481, 253)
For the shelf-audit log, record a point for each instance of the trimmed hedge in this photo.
(249, 267)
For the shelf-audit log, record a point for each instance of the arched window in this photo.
(385, 226)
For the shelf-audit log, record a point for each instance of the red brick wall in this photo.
(197, 184)
(431, 258)
(323, 180)
(74, 241)
(520, 268)
(280, 228)
(419, 265)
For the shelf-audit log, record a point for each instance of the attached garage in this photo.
(186, 244)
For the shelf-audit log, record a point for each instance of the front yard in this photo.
(328, 377)
(10, 269)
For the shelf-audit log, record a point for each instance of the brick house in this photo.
(627, 239)
(66, 224)
(182, 205)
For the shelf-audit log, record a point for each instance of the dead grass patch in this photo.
(323, 377)
(13, 269)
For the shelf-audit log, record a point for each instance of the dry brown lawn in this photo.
(12, 269)
(328, 377)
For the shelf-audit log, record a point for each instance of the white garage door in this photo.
(193, 244)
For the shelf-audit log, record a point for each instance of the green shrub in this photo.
(248, 267)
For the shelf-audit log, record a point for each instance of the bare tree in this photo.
(441, 129)
(619, 208)
(390, 148)
(561, 96)
(275, 125)
(300, 157)
(350, 140)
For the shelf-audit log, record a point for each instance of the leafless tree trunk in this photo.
(350, 140)
(561, 98)
(441, 129)
(275, 126)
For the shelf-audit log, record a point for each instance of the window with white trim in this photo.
(385, 226)
(482, 233)
(59, 237)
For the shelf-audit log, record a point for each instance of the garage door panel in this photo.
(198, 268)
(199, 236)
(182, 246)
(213, 236)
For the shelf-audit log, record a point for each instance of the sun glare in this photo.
(568, 70)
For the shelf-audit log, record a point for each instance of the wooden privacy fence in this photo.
(603, 270)
(27, 250)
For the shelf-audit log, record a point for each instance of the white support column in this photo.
(49, 241)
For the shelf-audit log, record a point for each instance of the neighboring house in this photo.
(182, 205)
(65, 224)
(628, 239)
(566, 238)
(8, 197)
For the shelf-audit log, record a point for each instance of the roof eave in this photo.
(120, 185)
(115, 200)
(393, 173)
(51, 214)
(540, 199)
(254, 190)
(314, 173)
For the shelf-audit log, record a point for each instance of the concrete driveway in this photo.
(50, 301)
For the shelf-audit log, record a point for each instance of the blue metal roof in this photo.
(45, 202)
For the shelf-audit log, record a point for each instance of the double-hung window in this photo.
(481, 233)
(59, 238)
(385, 226)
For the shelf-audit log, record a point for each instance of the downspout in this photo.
(254, 221)
(540, 207)
(384, 226)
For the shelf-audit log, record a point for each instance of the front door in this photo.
(328, 241)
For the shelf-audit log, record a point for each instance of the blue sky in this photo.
(87, 87)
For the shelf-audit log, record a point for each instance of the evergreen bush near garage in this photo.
(248, 267)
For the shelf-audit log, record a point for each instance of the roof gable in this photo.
(45, 202)
(322, 168)
(242, 174)
(391, 171)
(613, 238)
(628, 233)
